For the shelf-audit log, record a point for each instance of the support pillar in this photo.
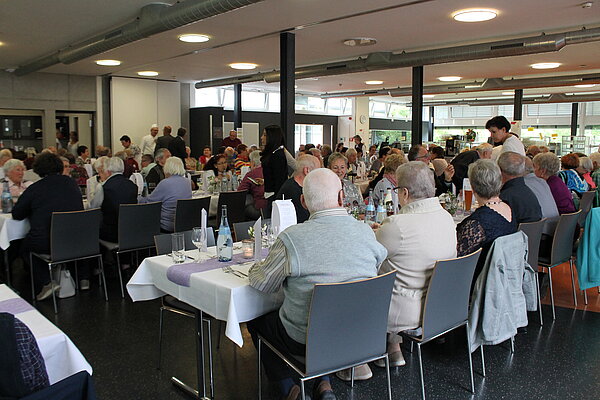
(287, 55)
(416, 135)
(237, 105)
(574, 115)
(517, 112)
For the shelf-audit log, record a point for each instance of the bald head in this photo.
(321, 190)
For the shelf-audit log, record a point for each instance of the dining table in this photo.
(61, 357)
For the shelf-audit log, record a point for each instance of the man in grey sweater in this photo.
(298, 260)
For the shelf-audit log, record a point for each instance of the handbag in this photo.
(66, 282)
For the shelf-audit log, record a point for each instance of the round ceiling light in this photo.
(545, 65)
(588, 85)
(147, 73)
(474, 15)
(108, 63)
(242, 65)
(374, 82)
(449, 78)
(194, 38)
(360, 41)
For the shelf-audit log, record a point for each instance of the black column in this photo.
(431, 126)
(574, 116)
(416, 135)
(237, 105)
(518, 105)
(287, 56)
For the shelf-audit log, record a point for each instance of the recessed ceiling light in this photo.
(449, 78)
(147, 73)
(243, 65)
(1, 43)
(508, 93)
(108, 63)
(428, 96)
(474, 15)
(373, 82)
(193, 38)
(360, 41)
(545, 65)
(588, 85)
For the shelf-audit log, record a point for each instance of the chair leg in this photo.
(411, 346)
(102, 276)
(585, 297)
(120, 276)
(482, 361)
(302, 389)
(210, 360)
(421, 371)
(160, 326)
(219, 330)
(539, 297)
(33, 299)
(53, 291)
(470, 358)
(573, 282)
(512, 344)
(387, 373)
(551, 293)
(76, 277)
(352, 377)
(259, 372)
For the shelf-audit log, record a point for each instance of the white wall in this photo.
(136, 104)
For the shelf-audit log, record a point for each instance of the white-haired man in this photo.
(292, 188)
(462, 161)
(298, 260)
(522, 201)
(156, 174)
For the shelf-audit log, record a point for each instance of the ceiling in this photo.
(251, 34)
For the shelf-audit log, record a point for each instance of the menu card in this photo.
(283, 215)
(258, 240)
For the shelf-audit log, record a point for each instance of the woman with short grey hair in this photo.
(492, 219)
(586, 166)
(546, 166)
(338, 163)
(14, 170)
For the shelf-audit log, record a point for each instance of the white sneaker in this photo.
(84, 284)
(396, 360)
(47, 291)
(361, 373)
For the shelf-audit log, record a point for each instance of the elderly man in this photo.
(499, 128)
(149, 141)
(163, 141)
(292, 188)
(157, 174)
(297, 261)
(522, 201)
(542, 192)
(147, 164)
(177, 145)
(462, 161)
(443, 183)
(232, 140)
(353, 161)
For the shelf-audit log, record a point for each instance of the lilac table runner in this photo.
(15, 306)
(181, 273)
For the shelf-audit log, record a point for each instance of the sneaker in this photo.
(323, 391)
(84, 284)
(396, 360)
(47, 291)
(361, 373)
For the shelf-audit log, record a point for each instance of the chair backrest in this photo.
(533, 230)
(138, 179)
(188, 213)
(235, 202)
(447, 300)
(562, 244)
(343, 328)
(138, 224)
(241, 230)
(585, 205)
(75, 234)
(163, 242)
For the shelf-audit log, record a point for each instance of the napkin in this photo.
(203, 227)
(258, 239)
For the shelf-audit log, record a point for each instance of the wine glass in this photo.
(199, 240)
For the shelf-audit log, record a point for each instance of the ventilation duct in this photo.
(380, 61)
(553, 98)
(153, 18)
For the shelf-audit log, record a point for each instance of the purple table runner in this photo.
(181, 273)
(15, 306)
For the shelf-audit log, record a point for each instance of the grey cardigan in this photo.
(503, 293)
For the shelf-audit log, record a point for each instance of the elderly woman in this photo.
(174, 187)
(408, 238)
(338, 163)
(388, 181)
(191, 164)
(254, 183)
(585, 169)
(595, 157)
(546, 166)
(569, 163)
(491, 220)
(13, 173)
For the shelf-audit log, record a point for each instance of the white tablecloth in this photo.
(61, 356)
(11, 229)
(224, 296)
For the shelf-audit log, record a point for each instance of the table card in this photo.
(258, 239)
(283, 215)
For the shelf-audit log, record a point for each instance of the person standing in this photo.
(134, 148)
(149, 141)
(499, 128)
(163, 141)
(177, 145)
(273, 159)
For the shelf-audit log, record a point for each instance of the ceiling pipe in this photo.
(553, 98)
(380, 61)
(153, 18)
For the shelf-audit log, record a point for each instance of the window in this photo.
(470, 112)
(208, 97)
(400, 111)
(592, 108)
(228, 100)
(442, 112)
(378, 109)
(253, 101)
(274, 102)
(535, 110)
(305, 134)
(316, 104)
(507, 111)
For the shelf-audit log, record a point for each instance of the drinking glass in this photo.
(177, 248)
(199, 240)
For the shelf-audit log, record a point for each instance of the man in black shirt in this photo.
(156, 174)
(462, 161)
(164, 141)
(292, 188)
(177, 145)
(522, 201)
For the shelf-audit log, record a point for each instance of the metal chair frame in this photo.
(534, 227)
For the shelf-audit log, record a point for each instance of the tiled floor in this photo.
(119, 339)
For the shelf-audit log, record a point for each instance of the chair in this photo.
(562, 250)
(364, 325)
(188, 213)
(235, 202)
(66, 247)
(533, 230)
(240, 229)
(585, 205)
(172, 304)
(446, 305)
(138, 224)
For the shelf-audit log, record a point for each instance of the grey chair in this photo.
(138, 224)
(236, 204)
(66, 247)
(533, 230)
(240, 229)
(585, 205)
(446, 305)
(188, 213)
(562, 250)
(364, 325)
